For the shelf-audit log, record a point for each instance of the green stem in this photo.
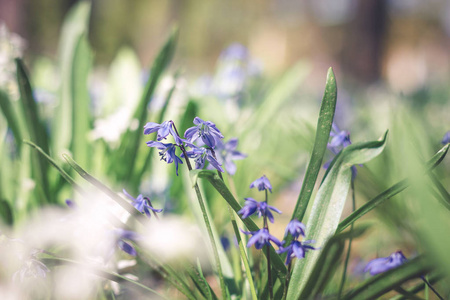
(207, 223)
(288, 277)
(269, 271)
(347, 257)
(431, 287)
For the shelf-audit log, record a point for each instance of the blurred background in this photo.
(403, 43)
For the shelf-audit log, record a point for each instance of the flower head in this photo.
(31, 268)
(295, 228)
(446, 138)
(260, 238)
(163, 129)
(205, 130)
(167, 153)
(296, 249)
(123, 238)
(383, 264)
(226, 153)
(262, 184)
(202, 154)
(252, 206)
(142, 204)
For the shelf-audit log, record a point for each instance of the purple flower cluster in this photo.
(383, 264)
(142, 204)
(296, 248)
(205, 143)
(340, 139)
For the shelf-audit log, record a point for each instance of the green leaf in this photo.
(328, 261)
(320, 146)
(390, 192)
(220, 186)
(387, 281)
(74, 27)
(132, 138)
(6, 213)
(328, 205)
(13, 123)
(36, 130)
(81, 112)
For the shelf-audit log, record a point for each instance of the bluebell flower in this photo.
(71, 204)
(252, 206)
(383, 264)
(167, 153)
(205, 130)
(142, 204)
(446, 138)
(226, 153)
(123, 238)
(200, 155)
(163, 129)
(339, 139)
(295, 228)
(260, 238)
(31, 268)
(262, 184)
(296, 249)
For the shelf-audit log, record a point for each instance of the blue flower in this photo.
(200, 154)
(262, 184)
(163, 130)
(296, 249)
(339, 139)
(206, 130)
(446, 138)
(251, 206)
(142, 204)
(383, 264)
(260, 238)
(167, 154)
(295, 228)
(226, 153)
(123, 238)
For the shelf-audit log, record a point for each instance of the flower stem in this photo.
(431, 287)
(269, 269)
(288, 277)
(347, 257)
(207, 223)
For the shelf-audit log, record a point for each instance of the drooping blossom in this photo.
(383, 264)
(226, 154)
(201, 155)
(163, 129)
(123, 239)
(142, 204)
(167, 153)
(261, 208)
(446, 138)
(206, 130)
(295, 228)
(262, 184)
(261, 238)
(296, 249)
(340, 139)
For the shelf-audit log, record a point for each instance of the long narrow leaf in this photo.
(390, 192)
(13, 123)
(328, 205)
(35, 127)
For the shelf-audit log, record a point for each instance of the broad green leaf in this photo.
(36, 131)
(328, 205)
(220, 186)
(132, 138)
(387, 281)
(390, 192)
(320, 146)
(328, 261)
(74, 27)
(81, 112)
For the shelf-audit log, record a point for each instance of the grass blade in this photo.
(11, 118)
(390, 192)
(36, 129)
(81, 113)
(328, 205)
